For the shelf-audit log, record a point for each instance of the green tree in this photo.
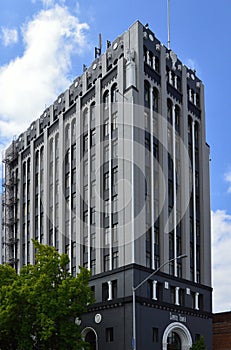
(199, 344)
(39, 306)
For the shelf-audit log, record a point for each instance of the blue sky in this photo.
(44, 43)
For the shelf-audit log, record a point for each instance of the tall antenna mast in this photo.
(99, 48)
(168, 24)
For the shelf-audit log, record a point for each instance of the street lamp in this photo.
(134, 289)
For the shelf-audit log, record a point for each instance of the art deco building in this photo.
(115, 173)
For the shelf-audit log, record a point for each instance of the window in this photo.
(170, 191)
(93, 186)
(190, 94)
(115, 148)
(150, 58)
(85, 216)
(155, 335)
(114, 176)
(177, 118)
(147, 120)
(106, 128)
(51, 237)
(93, 137)
(106, 209)
(73, 179)
(93, 267)
(114, 121)
(106, 236)
(178, 83)
(148, 259)
(85, 143)
(93, 158)
(85, 194)
(85, 167)
(169, 111)
(106, 100)
(173, 295)
(145, 54)
(114, 289)
(67, 249)
(73, 271)
(85, 117)
(93, 216)
(92, 112)
(115, 260)
(106, 263)
(200, 302)
(106, 153)
(115, 204)
(109, 335)
(93, 241)
(181, 296)
(105, 291)
(155, 99)
(36, 227)
(93, 290)
(169, 76)
(73, 203)
(114, 93)
(67, 163)
(146, 94)
(156, 64)
(197, 100)
(73, 249)
(115, 233)
(73, 133)
(106, 181)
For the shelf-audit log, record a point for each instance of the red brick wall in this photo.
(222, 331)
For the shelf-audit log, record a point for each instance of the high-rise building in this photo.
(115, 173)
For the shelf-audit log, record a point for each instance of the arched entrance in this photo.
(174, 341)
(90, 336)
(177, 337)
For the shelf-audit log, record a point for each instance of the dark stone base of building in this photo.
(159, 324)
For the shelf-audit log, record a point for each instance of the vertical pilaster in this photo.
(194, 201)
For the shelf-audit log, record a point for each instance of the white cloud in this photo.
(221, 245)
(9, 36)
(50, 3)
(33, 80)
(191, 63)
(228, 179)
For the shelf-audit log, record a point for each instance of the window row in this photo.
(173, 79)
(152, 60)
(114, 124)
(85, 115)
(194, 97)
(174, 341)
(175, 295)
(92, 140)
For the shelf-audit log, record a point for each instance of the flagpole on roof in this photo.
(168, 24)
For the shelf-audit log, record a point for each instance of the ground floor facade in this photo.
(166, 319)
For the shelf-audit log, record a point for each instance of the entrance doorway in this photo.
(90, 336)
(176, 337)
(174, 341)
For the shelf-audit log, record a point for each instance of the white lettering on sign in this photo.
(177, 317)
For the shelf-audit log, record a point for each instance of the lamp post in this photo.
(134, 289)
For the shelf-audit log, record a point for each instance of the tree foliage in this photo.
(199, 344)
(39, 306)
